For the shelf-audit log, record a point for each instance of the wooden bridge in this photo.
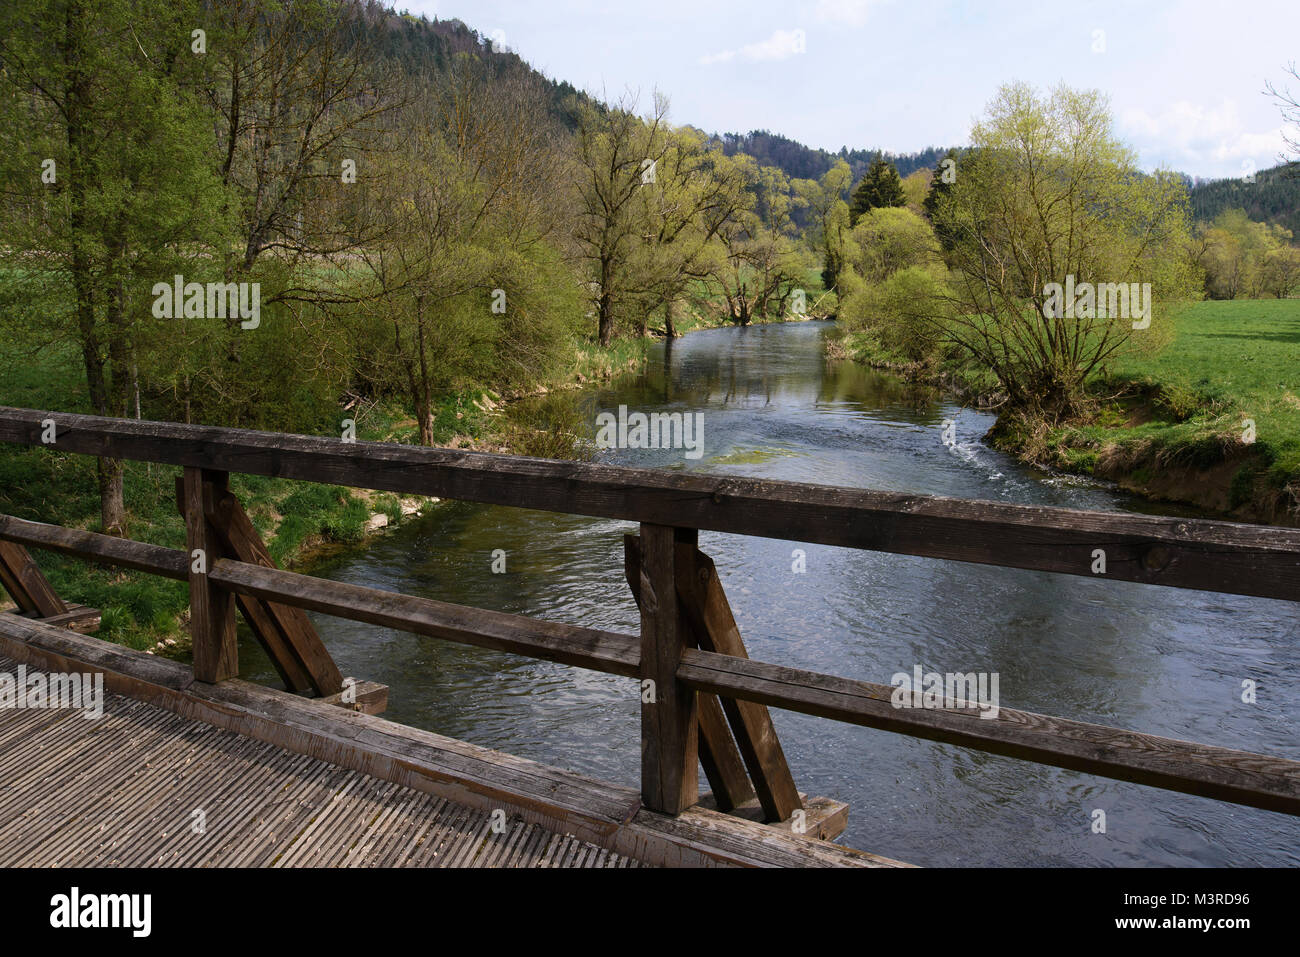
(191, 766)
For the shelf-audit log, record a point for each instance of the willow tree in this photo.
(1051, 220)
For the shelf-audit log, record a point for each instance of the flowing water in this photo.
(1161, 660)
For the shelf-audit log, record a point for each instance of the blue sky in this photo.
(1186, 79)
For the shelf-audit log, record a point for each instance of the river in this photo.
(1161, 660)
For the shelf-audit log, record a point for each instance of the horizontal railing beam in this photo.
(1222, 773)
(105, 549)
(1229, 557)
(605, 651)
(1240, 777)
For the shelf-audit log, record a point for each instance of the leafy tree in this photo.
(105, 93)
(1050, 197)
(945, 174)
(828, 230)
(892, 238)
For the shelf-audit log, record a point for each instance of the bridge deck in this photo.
(124, 789)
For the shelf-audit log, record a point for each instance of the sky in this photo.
(1186, 80)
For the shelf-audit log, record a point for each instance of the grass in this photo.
(1172, 422)
(1229, 362)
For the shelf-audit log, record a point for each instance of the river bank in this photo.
(1211, 422)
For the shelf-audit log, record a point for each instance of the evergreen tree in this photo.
(945, 174)
(879, 188)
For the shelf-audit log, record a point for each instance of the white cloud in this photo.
(853, 13)
(1187, 134)
(781, 45)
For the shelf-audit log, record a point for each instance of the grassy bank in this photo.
(1175, 425)
(297, 520)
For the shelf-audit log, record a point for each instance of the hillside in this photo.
(1274, 197)
(804, 162)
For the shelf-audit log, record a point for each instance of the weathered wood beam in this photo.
(706, 607)
(1255, 780)
(606, 651)
(669, 714)
(212, 609)
(723, 766)
(26, 585)
(290, 639)
(105, 549)
(1182, 553)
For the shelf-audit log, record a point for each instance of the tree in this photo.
(945, 174)
(617, 154)
(1289, 104)
(104, 92)
(1280, 275)
(695, 190)
(1049, 200)
(892, 238)
(461, 284)
(1233, 252)
(828, 229)
(880, 188)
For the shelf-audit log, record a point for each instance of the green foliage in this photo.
(879, 189)
(1048, 198)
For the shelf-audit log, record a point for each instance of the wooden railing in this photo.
(702, 698)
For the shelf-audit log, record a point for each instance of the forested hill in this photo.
(1274, 197)
(803, 162)
(426, 47)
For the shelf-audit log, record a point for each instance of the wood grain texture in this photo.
(706, 608)
(1182, 553)
(1241, 777)
(212, 609)
(26, 585)
(723, 766)
(669, 714)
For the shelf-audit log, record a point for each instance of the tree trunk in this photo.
(669, 329)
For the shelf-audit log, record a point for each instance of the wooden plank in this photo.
(24, 581)
(669, 715)
(78, 618)
(369, 697)
(823, 818)
(10, 583)
(1182, 553)
(212, 609)
(706, 607)
(606, 651)
(1241, 777)
(235, 527)
(106, 549)
(723, 766)
(605, 814)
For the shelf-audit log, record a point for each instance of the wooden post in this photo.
(669, 742)
(723, 766)
(287, 634)
(705, 606)
(212, 609)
